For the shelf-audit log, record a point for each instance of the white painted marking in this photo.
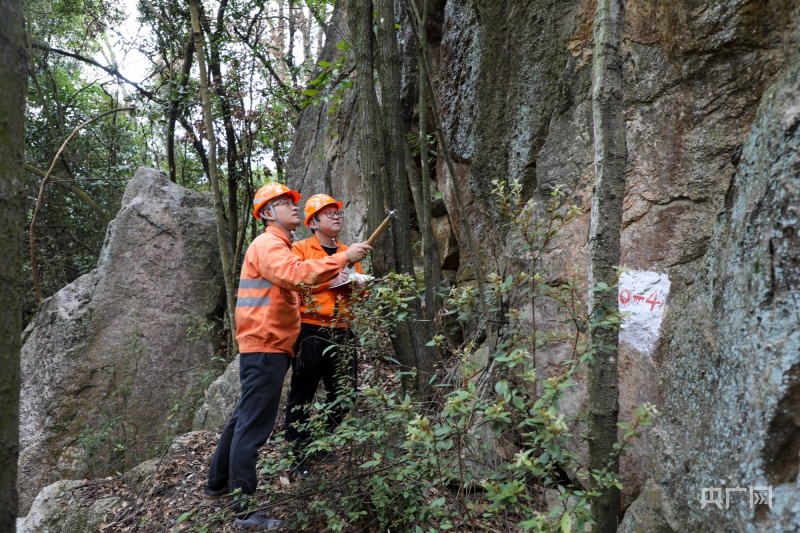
(642, 299)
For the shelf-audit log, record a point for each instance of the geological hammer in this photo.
(379, 230)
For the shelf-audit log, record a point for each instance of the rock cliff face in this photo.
(323, 156)
(515, 89)
(105, 358)
(727, 448)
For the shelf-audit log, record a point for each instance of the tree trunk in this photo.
(370, 135)
(444, 145)
(174, 107)
(280, 164)
(12, 210)
(305, 30)
(394, 136)
(430, 250)
(411, 339)
(604, 248)
(224, 99)
(290, 55)
(219, 209)
(371, 154)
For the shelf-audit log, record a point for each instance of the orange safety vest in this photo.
(327, 307)
(267, 310)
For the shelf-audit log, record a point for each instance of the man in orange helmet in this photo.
(324, 349)
(267, 326)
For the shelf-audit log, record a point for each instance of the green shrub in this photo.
(421, 464)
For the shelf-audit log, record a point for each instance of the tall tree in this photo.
(425, 67)
(610, 158)
(222, 235)
(430, 250)
(178, 91)
(373, 166)
(411, 340)
(216, 37)
(370, 140)
(13, 78)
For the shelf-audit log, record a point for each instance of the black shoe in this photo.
(301, 470)
(211, 494)
(257, 520)
(325, 456)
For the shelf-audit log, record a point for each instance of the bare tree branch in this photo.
(268, 64)
(34, 270)
(109, 70)
(70, 184)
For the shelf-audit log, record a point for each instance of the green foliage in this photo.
(258, 98)
(413, 141)
(61, 95)
(493, 448)
(331, 83)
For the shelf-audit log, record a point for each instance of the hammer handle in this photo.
(378, 231)
(376, 234)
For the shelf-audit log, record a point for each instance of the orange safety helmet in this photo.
(269, 192)
(316, 203)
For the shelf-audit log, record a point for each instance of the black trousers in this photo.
(326, 354)
(235, 459)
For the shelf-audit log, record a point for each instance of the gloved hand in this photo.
(360, 279)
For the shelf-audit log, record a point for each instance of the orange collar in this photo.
(278, 233)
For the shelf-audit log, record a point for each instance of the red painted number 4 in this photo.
(653, 301)
(625, 297)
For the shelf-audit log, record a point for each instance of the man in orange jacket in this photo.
(267, 326)
(325, 348)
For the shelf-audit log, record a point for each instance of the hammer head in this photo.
(392, 214)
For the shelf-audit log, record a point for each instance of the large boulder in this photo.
(55, 509)
(109, 357)
(727, 448)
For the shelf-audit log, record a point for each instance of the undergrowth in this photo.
(491, 445)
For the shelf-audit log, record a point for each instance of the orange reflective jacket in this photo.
(328, 307)
(267, 311)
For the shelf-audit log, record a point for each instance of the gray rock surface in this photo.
(446, 242)
(522, 111)
(220, 400)
(731, 366)
(324, 157)
(138, 477)
(55, 511)
(105, 358)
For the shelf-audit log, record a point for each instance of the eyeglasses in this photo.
(284, 201)
(334, 214)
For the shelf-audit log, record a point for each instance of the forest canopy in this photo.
(88, 57)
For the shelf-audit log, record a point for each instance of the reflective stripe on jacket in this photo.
(267, 312)
(329, 307)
